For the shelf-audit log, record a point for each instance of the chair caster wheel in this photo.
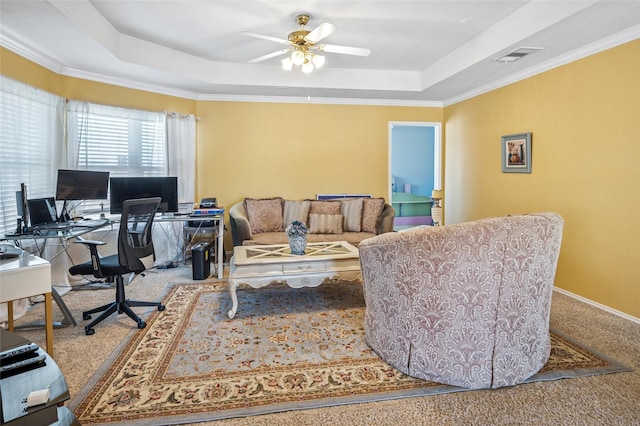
(86, 316)
(142, 324)
(89, 331)
(161, 308)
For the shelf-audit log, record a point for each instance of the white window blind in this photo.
(121, 141)
(31, 137)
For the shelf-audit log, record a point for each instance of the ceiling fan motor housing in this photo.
(298, 38)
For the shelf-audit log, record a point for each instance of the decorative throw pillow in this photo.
(352, 211)
(325, 207)
(296, 210)
(371, 210)
(325, 223)
(265, 214)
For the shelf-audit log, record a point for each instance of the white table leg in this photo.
(220, 248)
(234, 297)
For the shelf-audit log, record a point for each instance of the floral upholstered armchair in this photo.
(467, 304)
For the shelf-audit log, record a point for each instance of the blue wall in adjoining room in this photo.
(412, 157)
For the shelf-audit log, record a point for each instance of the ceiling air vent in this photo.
(519, 53)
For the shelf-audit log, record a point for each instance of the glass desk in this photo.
(52, 243)
(63, 237)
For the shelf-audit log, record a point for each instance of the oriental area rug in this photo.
(286, 349)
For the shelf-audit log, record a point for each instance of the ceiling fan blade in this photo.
(322, 31)
(265, 37)
(347, 50)
(269, 56)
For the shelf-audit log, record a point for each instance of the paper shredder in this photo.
(200, 261)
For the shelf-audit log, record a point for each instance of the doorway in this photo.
(415, 158)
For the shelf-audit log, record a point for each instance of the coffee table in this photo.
(260, 265)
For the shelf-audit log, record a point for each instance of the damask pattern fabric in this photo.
(371, 210)
(467, 304)
(325, 207)
(265, 214)
(352, 211)
(325, 223)
(296, 210)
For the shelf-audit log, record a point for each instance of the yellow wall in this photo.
(295, 150)
(586, 153)
(18, 68)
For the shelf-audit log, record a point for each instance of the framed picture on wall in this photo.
(516, 153)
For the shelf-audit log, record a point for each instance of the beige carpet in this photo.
(606, 399)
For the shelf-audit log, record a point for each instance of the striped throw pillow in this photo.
(325, 223)
(352, 212)
(296, 210)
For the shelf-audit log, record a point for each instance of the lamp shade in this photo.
(287, 63)
(297, 57)
(318, 61)
(307, 67)
(436, 193)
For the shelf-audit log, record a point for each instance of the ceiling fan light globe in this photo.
(287, 64)
(307, 67)
(297, 57)
(318, 61)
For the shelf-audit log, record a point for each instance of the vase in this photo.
(298, 243)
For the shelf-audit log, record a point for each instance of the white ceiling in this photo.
(422, 52)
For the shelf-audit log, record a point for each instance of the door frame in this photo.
(437, 151)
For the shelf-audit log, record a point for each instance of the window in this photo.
(121, 141)
(31, 136)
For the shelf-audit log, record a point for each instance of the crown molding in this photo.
(575, 55)
(17, 46)
(130, 84)
(320, 100)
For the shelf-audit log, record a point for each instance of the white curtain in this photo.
(181, 157)
(181, 147)
(31, 140)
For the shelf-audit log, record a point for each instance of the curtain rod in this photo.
(183, 116)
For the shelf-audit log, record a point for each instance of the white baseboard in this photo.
(598, 305)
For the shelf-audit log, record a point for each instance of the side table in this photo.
(15, 389)
(26, 276)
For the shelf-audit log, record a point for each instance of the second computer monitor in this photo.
(127, 188)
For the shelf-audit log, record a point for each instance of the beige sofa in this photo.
(263, 221)
(466, 305)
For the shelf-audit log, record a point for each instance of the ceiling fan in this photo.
(303, 48)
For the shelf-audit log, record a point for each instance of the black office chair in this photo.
(134, 243)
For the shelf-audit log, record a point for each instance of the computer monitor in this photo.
(42, 211)
(82, 185)
(127, 188)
